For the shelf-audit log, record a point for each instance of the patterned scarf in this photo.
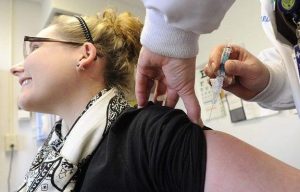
(66, 150)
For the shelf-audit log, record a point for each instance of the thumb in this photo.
(237, 68)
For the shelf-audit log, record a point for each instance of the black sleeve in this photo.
(169, 151)
(155, 149)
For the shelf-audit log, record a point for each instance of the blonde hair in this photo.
(116, 37)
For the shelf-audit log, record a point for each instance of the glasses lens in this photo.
(26, 48)
(29, 47)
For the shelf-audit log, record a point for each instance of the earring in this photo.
(80, 67)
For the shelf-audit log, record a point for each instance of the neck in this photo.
(72, 108)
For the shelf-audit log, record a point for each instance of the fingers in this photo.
(175, 78)
(241, 91)
(159, 93)
(172, 98)
(165, 96)
(215, 59)
(229, 81)
(192, 106)
(145, 76)
(143, 87)
(236, 67)
(244, 69)
(210, 69)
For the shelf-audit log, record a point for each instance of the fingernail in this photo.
(231, 80)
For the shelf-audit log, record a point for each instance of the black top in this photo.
(150, 149)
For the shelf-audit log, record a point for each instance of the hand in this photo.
(246, 76)
(172, 77)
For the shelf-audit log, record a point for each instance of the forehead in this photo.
(48, 32)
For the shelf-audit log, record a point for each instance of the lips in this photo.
(24, 81)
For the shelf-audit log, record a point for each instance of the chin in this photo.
(26, 104)
(23, 106)
(33, 106)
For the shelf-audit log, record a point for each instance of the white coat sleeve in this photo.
(172, 27)
(278, 94)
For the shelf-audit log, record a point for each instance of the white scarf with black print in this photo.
(58, 162)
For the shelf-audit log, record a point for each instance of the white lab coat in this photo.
(172, 27)
(283, 91)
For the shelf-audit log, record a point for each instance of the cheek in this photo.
(35, 94)
(52, 75)
(42, 67)
(40, 94)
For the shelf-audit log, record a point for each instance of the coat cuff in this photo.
(276, 95)
(164, 39)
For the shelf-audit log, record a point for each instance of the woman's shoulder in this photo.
(153, 113)
(150, 121)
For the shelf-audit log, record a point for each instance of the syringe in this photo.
(217, 83)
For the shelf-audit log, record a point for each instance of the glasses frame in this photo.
(43, 39)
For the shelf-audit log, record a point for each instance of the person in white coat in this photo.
(170, 45)
(272, 79)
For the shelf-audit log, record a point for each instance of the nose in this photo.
(17, 69)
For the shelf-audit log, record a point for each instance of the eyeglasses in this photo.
(28, 47)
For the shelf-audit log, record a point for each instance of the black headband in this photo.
(85, 29)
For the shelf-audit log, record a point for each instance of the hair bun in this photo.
(127, 30)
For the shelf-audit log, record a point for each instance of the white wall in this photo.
(5, 85)
(5, 35)
(91, 7)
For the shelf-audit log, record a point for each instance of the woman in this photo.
(78, 68)
(82, 76)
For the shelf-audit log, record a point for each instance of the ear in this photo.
(89, 55)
